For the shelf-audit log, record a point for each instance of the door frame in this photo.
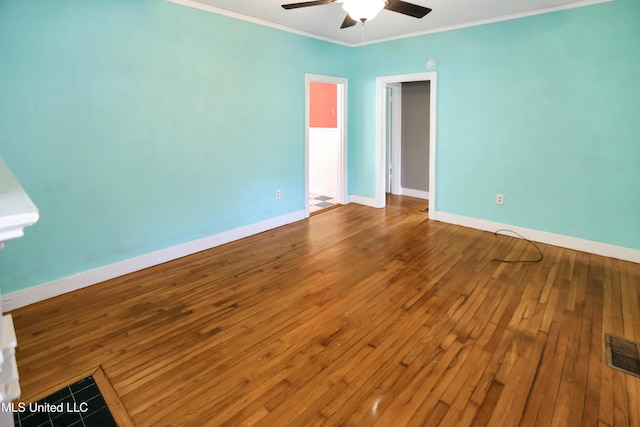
(393, 140)
(382, 83)
(343, 90)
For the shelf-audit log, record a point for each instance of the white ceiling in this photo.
(324, 21)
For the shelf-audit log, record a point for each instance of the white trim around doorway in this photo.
(342, 125)
(381, 114)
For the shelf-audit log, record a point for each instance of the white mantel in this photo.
(17, 211)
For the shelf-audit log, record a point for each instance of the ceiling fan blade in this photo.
(306, 4)
(405, 8)
(348, 22)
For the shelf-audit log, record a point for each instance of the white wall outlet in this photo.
(499, 199)
(277, 194)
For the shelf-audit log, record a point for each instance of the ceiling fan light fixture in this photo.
(363, 10)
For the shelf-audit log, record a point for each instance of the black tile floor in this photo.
(317, 202)
(78, 405)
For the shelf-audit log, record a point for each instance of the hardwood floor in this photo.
(357, 316)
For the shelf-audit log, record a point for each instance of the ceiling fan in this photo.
(366, 10)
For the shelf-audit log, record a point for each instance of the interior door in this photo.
(393, 137)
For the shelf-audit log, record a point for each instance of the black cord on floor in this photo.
(540, 258)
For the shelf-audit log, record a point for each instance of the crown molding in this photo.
(205, 7)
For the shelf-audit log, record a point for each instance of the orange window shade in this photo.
(323, 105)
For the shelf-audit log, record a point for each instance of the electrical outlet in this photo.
(499, 199)
(277, 194)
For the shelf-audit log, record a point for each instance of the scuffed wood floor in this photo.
(357, 316)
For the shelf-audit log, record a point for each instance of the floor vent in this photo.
(622, 354)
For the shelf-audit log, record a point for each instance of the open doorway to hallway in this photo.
(407, 140)
(406, 143)
(325, 142)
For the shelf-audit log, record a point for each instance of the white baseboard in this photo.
(32, 295)
(420, 194)
(28, 296)
(363, 201)
(590, 246)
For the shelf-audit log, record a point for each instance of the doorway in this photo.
(325, 141)
(411, 150)
(389, 112)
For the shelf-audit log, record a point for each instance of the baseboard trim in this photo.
(590, 246)
(419, 194)
(52, 289)
(367, 201)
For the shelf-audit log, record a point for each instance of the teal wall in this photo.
(136, 125)
(544, 109)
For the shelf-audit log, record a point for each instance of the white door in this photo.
(393, 137)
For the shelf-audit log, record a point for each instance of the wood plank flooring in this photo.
(355, 317)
